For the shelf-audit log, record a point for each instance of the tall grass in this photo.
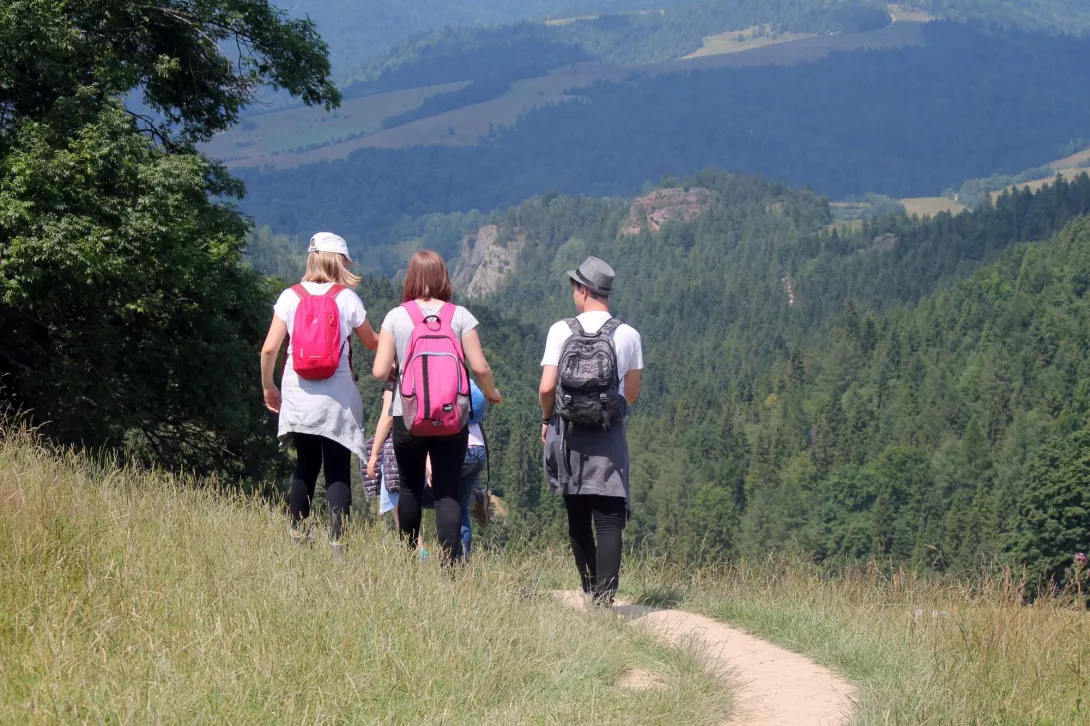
(921, 649)
(129, 597)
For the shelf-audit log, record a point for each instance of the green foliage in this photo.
(171, 50)
(1055, 16)
(854, 396)
(1053, 522)
(130, 321)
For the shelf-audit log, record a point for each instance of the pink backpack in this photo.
(434, 379)
(316, 341)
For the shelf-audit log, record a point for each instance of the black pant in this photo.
(313, 452)
(447, 454)
(599, 566)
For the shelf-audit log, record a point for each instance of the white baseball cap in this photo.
(329, 242)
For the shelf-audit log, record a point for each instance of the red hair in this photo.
(427, 278)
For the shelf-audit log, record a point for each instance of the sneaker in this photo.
(298, 536)
(423, 555)
(478, 507)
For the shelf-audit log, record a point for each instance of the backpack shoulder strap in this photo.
(334, 290)
(412, 307)
(575, 326)
(610, 327)
(301, 291)
(446, 314)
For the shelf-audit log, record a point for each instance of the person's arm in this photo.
(277, 332)
(385, 356)
(546, 396)
(367, 335)
(632, 386)
(382, 430)
(471, 345)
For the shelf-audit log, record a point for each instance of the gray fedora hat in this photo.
(595, 275)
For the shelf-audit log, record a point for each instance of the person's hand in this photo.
(372, 464)
(494, 396)
(544, 432)
(272, 399)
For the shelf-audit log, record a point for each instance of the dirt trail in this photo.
(771, 686)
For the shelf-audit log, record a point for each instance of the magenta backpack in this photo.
(434, 379)
(316, 342)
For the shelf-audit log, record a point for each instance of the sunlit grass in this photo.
(132, 597)
(921, 650)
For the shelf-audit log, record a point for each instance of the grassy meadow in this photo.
(130, 597)
(921, 650)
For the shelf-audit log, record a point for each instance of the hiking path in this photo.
(771, 686)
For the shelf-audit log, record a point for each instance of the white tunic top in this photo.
(330, 407)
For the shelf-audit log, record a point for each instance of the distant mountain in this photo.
(904, 122)
(360, 30)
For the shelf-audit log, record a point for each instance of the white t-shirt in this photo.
(476, 438)
(349, 305)
(625, 339)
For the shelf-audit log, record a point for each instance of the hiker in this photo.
(320, 408)
(590, 376)
(475, 461)
(381, 475)
(429, 340)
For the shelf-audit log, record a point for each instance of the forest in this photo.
(838, 125)
(920, 395)
(914, 389)
(629, 37)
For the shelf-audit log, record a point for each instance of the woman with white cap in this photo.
(320, 408)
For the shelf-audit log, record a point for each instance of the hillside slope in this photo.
(837, 124)
(790, 367)
(132, 597)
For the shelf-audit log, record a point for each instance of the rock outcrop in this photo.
(486, 265)
(653, 210)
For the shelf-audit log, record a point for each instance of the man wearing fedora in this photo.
(590, 376)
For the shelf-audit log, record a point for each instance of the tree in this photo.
(1054, 509)
(130, 321)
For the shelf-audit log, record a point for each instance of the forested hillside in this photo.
(632, 37)
(839, 125)
(856, 395)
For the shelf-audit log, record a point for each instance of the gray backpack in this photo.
(587, 392)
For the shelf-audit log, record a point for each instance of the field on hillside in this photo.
(467, 125)
(129, 597)
(930, 206)
(1037, 184)
(738, 41)
(261, 136)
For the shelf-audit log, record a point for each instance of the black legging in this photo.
(447, 455)
(313, 452)
(599, 566)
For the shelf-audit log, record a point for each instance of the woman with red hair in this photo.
(428, 295)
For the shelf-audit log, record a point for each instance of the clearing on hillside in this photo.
(738, 41)
(930, 206)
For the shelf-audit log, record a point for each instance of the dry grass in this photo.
(921, 650)
(930, 206)
(739, 41)
(130, 597)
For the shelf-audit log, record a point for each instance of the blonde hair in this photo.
(330, 267)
